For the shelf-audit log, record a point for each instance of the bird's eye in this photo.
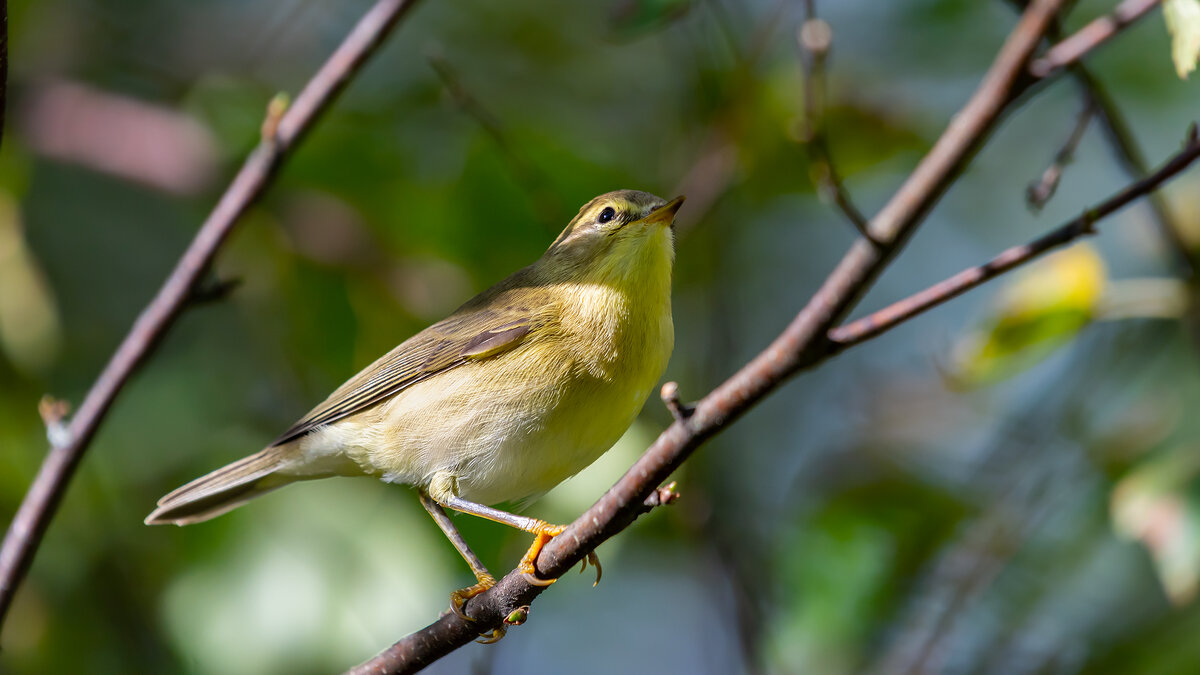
(607, 214)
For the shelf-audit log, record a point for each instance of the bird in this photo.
(521, 387)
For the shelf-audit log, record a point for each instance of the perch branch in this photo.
(44, 495)
(802, 345)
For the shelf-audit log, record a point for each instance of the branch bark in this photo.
(283, 131)
(802, 345)
(900, 311)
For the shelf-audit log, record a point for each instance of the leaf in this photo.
(1183, 23)
(1035, 314)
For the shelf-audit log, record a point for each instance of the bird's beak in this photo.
(665, 214)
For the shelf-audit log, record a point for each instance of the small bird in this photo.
(520, 388)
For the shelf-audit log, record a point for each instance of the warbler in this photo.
(520, 388)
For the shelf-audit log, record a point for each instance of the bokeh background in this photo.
(1006, 485)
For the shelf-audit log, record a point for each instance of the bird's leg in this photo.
(442, 489)
(482, 576)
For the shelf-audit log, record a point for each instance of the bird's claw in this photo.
(528, 564)
(595, 561)
(460, 597)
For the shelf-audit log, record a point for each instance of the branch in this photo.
(1130, 157)
(815, 38)
(1100, 30)
(898, 312)
(802, 345)
(1041, 190)
(284, 130)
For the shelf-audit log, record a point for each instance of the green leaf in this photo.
(1183, 23)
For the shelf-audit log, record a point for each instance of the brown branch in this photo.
(815, 38)
(1041, 190)
(33, 517)
(1130, 157)
(1084, 40)
(898, 312)
(802, 345)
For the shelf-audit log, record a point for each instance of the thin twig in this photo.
(1041, 190)
(1129, 156)
(33, 517)
(815, 38)
(530, 178)
(1086, 39)
(802, 345)
(902, 310)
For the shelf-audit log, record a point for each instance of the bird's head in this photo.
(617, 238)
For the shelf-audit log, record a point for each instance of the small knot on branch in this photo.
(275, 109)
(1193, 135)
(815, 36)
(54, 414)
(663, 496)
(670, 397)
(213, 290)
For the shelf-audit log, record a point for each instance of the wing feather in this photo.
(471, 334)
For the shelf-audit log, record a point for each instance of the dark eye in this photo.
(607, 214)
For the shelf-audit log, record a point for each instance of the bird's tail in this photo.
(224, 489)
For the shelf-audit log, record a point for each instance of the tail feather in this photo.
(222, 490)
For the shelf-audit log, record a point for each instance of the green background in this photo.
(875, 515)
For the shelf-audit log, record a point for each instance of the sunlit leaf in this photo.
(1183, 23)
(1037, 312)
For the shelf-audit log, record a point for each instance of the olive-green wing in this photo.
(461, 338)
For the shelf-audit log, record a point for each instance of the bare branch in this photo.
(40, 502)
(1041, 190)
(1131, 159)
(802, 345)
(898, 312)
(1089, 37)
(815, 38)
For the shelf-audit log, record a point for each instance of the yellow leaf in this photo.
(1035, 313)
(1183, 23)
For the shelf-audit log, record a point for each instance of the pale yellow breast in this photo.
(520, 423)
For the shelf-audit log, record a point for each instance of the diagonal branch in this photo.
(1084, 40)
(900, 311)
(283, 131)
(802, 345)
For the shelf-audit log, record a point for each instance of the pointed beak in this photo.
(665, 214)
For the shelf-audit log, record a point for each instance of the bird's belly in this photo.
(498, 446)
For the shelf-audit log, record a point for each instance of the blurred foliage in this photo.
(868, 517)
(1183, 22)
(1037, 310)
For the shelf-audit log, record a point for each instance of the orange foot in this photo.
(545, 533)
(460, 597)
